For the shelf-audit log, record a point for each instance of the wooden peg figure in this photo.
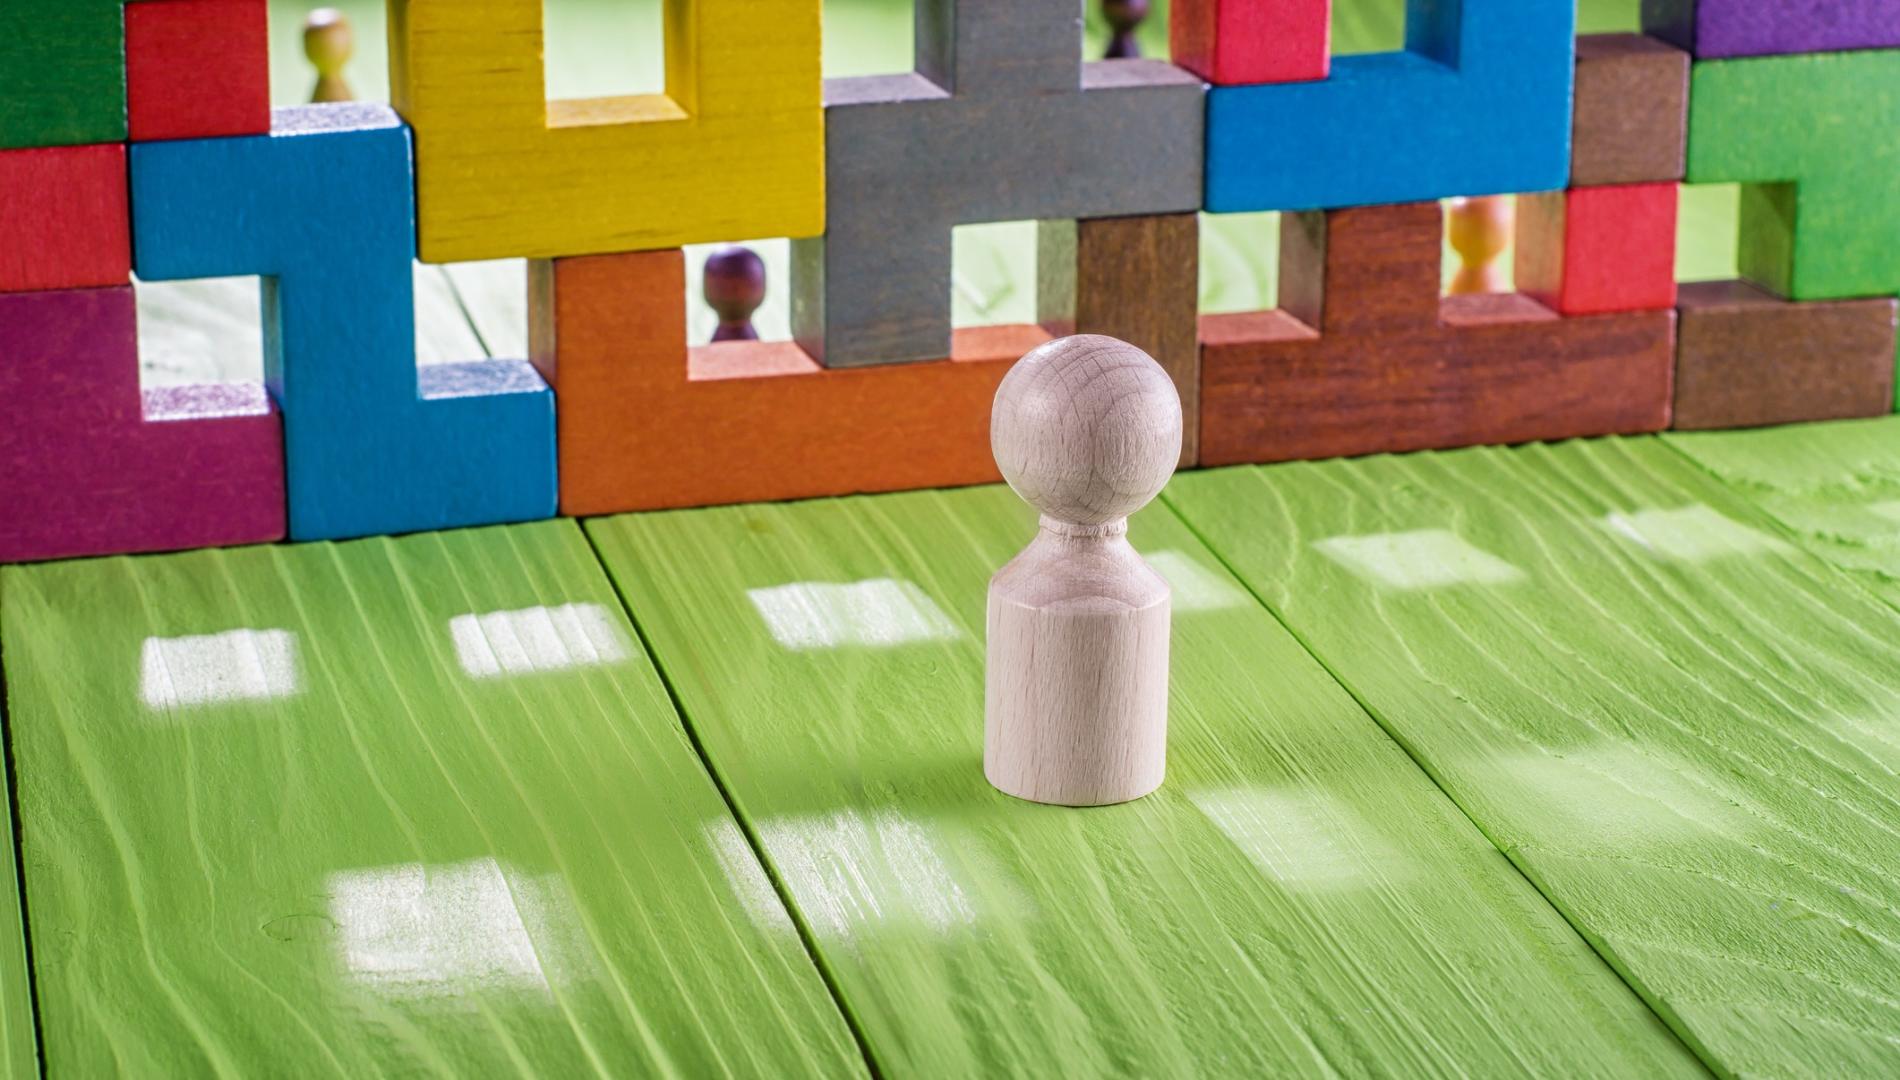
(1087, 429)
(1480, 229)
(1124, 17)
(734, 287)
(329, 42)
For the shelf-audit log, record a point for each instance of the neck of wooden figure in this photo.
(1075, 530)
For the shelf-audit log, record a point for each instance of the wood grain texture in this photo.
(19, 1047)
(734, 148)
(1127, 277)
(909, 157)
(1297, 898)
(1599, 250)
(90, 464)
(1363, 356)
(1712, 29)
(1834, 487)
(1667, 716)
(374, 444)
(646, 424)
(399, 807)
(1745, 358)
(197, 68)
(1631, 121)
(62, 73)
(1805, 135)
(65, 222)
(1237, 42)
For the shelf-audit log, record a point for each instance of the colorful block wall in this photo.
(136, 137)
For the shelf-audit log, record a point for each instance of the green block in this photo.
(62, 72)
(1297, 899)
(1817, 139)
(397, 807)
(18, 1051)
(1674, 721)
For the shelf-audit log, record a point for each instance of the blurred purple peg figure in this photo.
(734, 285)
(1123, 17)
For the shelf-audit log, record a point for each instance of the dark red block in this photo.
(1245, 42)
(90, 465)
(197, 68)
(63, 218)
(1599, 250)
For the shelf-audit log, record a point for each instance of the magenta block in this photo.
(91, 466)
(1713, 29)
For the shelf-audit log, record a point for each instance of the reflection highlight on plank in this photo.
(1196, 588)
(1418, 559)
(875, 613)
(435, 931)
(1301, 839)
(212, 669)
(535, 639)
(851, 873)
(1689, 534)
(1622, 798)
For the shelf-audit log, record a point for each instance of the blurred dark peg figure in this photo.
(734, 285)
(1123, 17)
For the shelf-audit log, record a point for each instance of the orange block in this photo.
(646, 424)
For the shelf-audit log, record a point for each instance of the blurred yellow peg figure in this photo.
(328, 41)
(1480, 229)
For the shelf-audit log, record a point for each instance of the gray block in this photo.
(1019, 130)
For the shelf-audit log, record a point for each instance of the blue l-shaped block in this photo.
(1479, 103)
(323, 208)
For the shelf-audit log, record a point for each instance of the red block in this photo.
(63, 218)
(1599, 250)
(1243, 42)
(197, 68)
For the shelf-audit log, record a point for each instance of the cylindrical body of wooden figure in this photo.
(1076, 699)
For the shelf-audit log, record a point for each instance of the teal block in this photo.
(1815, 139)
(62, 72)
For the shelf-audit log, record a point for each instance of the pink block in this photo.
(90, 466)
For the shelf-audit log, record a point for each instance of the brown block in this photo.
(645, 423)
(1632, 111)
(1132, 278)
(1746, 358)
(1371, 360)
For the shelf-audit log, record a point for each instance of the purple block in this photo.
(1712, 29)
(89, 465)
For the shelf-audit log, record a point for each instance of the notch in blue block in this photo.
(323, 208)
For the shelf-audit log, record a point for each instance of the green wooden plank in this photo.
(397, 806)
(19, 1053)
(1677, 724)
(1298, 899)
(1835, 487)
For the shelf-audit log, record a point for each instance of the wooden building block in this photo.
(1722, 28)
(734, 147)
(323, 208)
(1810, 138)
(1632, 112)
(1243, 42)
(197, 68)
(1596, 250)
(62, 72)
(90, 466)
(63, 221)
(644, 425)
(1363, 357)
(908, 158)
(1479, 103)
(1129, 278)
(1745, 358)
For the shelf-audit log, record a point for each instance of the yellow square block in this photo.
(735, 147)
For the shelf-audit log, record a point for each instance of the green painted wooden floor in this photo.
(1557, 760)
